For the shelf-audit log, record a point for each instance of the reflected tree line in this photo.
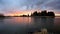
(43, 22)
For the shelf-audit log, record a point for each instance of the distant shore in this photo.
(30, 16)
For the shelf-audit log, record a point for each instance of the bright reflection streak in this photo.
(22, 20)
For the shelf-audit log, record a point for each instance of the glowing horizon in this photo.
(26, 12)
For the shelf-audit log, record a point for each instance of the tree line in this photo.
(43, 13)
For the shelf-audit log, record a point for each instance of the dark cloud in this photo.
(54, 5)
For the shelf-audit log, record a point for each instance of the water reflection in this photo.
(22, 19)
(43, 22)
(1, 20)
(27, 24)
(18, 20)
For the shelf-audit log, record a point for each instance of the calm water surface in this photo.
(24, 25)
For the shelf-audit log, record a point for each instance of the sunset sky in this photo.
(19, 7)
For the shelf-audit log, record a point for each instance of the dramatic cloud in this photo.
(9, 6)
(54, 5)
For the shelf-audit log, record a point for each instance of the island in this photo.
(2, 15)
(43, 13)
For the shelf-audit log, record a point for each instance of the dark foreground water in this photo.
(27, 25)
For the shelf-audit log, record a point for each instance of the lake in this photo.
(27, 25)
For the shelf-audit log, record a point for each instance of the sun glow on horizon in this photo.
(57, 14)
(20, 13)
(26, 12)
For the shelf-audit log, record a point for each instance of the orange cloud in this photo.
(18, 13)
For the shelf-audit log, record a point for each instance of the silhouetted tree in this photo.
(23, 16)
(35, 13)
(44, 13)
(51, 14)
(1, 15)
(39, 14)
(28, 15)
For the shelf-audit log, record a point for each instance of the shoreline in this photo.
(30, 16)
